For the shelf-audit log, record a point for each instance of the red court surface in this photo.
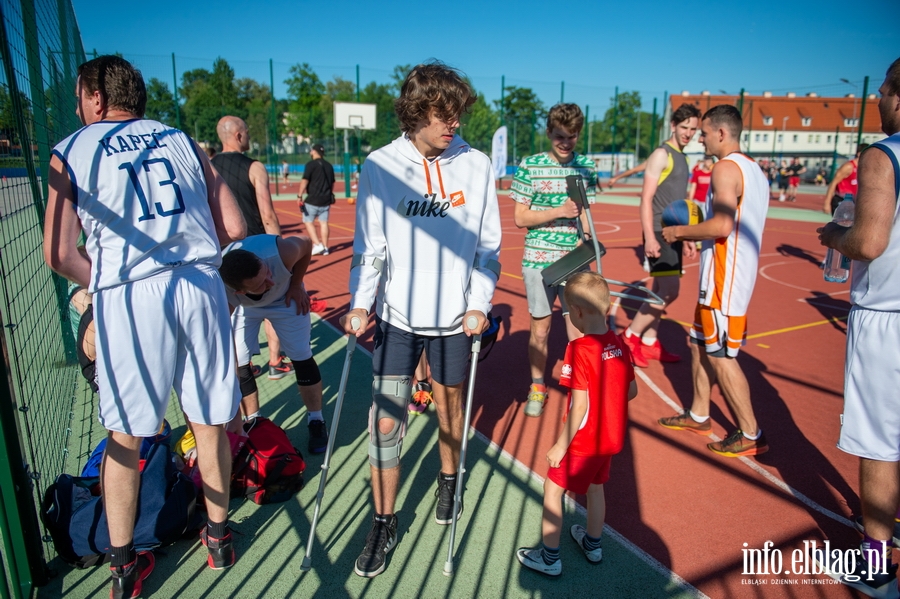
(691, 510)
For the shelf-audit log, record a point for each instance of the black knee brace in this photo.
(307, 372)
(247, 380)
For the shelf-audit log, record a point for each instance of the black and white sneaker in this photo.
(380, 540)
(318, 436)
(881, 584)
(443, 513)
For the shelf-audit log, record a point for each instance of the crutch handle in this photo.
(355, 323)
(471, 322)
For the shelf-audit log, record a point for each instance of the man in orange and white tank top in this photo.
(732, 237)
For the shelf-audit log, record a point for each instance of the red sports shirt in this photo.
(600, 365)
(702, 179)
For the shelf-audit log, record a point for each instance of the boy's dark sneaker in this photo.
(127, 580)
(684, 422)
(882, 585)
(318, 436)
(221, 551)
(380, 540)
(532, 558)
(736, 445)
(443, 513)
(896, 536)
(280, 370)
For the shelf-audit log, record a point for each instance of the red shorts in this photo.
(578, 472)
(793, 181)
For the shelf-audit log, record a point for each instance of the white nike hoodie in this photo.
(435, 225)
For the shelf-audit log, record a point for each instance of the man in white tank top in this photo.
(731, 236)
(154, 214)
(871, 419)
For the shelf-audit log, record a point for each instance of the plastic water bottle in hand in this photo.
(837, 266)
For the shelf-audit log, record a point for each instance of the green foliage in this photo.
(208, 96)
(305, 91)
(161, 103)
(479, 125)
(8, 107)
(524, 115)
(625, 119)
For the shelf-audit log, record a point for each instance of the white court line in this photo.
(753, 465)
(637, 551)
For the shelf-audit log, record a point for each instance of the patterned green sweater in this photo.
(540, 182)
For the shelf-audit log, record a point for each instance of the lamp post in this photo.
(850, 136)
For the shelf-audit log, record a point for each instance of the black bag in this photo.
(72, 511)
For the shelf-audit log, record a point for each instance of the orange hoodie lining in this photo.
(427, 175)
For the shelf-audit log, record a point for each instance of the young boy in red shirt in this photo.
(598, 371)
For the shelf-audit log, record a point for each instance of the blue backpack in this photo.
(76, 521)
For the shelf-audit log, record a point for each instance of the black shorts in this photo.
(835, 200)
(669, 261)
(397, 353)
(783, 183)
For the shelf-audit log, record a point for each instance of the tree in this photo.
(625, 117)
(398, 76)
(524, 115)
(382, 95)
(255, 100)
(479, 125)
(305, 92)
(8, 110)
(208, 96)
(160, 103)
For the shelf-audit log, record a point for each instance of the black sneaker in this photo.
(127, 580)
(443, 513)
(221, 551)
(380, 540)
(318, 436)
(881, 584)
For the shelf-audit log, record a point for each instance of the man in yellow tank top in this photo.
(732, 236)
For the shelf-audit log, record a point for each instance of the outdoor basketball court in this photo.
(680, 519)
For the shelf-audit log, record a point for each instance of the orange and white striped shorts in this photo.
(718, 334)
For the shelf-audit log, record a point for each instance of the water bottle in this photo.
(837, 266)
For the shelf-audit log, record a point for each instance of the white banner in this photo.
(498, 152)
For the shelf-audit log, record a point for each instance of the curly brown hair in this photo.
(565, 116)
(432, 88)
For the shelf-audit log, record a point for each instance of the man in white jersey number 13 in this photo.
(154, 214)
(732, 237)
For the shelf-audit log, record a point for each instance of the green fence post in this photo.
(562, 92)
(274, 123)
(584, 130)
(502, 99)
(653, 127)
(615, 119)
(740, 105)
(862, 112)
(175, 93)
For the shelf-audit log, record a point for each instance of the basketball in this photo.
(351, 200)
(681, 212)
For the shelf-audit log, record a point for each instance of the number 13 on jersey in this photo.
(148, 166)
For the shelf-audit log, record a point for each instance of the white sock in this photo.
(255, 414)
(314, 415)
(629, 333)
(754, 437)
(699, 419)
(648, 340)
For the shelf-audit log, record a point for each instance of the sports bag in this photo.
(75, 518)
(267, 469)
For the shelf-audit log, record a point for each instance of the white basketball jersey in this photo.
(140, 193)
(876, 285)
(728, 265)
(264, 247)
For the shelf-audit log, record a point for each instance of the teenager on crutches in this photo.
(427, 221)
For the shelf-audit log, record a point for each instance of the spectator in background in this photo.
(844, 182)
(318, 185)
(700, 179)
(794, 170)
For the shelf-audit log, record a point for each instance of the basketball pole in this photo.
(347, 163)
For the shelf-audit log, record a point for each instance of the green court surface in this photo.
(502, 513)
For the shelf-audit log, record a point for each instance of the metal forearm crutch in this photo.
(471, 322)
(576, 191)
(355, 323)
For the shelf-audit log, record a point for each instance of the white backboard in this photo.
(352, 115)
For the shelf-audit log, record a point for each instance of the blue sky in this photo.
(651, 46)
